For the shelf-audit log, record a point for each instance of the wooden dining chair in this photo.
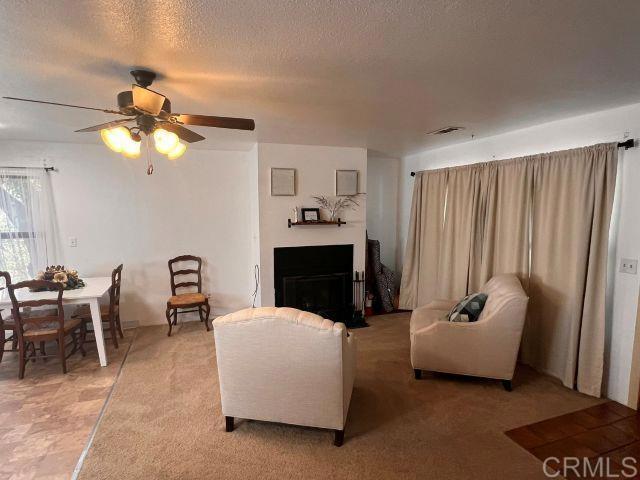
(110, 314)
(189, 301)
(7, 323)
(33, 329)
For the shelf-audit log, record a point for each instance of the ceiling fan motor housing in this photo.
(144, 78)
(125, 103)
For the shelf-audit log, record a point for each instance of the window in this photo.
(27, 233)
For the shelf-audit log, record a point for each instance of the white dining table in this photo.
(94, 289)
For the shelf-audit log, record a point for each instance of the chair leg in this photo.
(228, 424)
(3, 340)
(168, 314)
(417, 373)
(200, 313)
(31, 346)
(119, 325)
(112, 330)
(83, 337)
(507, 385)
(207, 309)
(61, 354)
(338, 438)
(22, 352)
(43, 352)
(74, 338)
(175, 317)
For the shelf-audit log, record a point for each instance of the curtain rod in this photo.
(627, 144)
(46, 169)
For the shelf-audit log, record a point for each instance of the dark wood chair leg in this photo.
(206, 318)
(83, 337)
(62, 355)
(507, 385)
(3, 340)
(417, 373)
(175, 317)
(228, 421)
(113, 333)
(338, 438)
(22, 352)
(42, 351)
(168, 314)
(119, 325)
(74, 338)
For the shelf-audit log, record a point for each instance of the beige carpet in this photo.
(164, 419)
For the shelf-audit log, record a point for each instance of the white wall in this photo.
(382, 205)
(198, 205)
(315, 170)
(605, 126)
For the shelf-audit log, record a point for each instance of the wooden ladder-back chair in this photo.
(187, 302)
(110, 314)
(7, 324)
(34, 329)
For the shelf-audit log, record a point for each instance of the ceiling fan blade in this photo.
(185, 134)
(219, 122)
(102, 126)
(146, 100)
(65, 105)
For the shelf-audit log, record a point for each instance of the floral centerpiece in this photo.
(57, 273)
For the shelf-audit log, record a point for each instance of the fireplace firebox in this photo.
(318, 279)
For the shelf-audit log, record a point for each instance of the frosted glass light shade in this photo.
(165, 141)
(115, 138)
(131, 149)
(177, 151)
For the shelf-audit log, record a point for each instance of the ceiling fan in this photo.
(149, 112)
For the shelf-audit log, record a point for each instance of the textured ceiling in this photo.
(375, 74)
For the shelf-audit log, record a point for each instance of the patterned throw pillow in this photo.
(469, 308)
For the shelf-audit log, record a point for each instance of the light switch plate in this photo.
(73, 242)
(629, 265)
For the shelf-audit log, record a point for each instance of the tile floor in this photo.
(609, 431)
(47, 418)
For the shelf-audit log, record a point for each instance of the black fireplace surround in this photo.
(316, 279)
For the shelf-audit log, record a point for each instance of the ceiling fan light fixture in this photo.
(177, 151)
(165, 141)
(115, 138)
(131, 148)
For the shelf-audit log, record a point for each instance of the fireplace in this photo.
(317, 279)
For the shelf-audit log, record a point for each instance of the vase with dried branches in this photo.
(336, 205)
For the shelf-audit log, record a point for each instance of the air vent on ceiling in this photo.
(445, 130)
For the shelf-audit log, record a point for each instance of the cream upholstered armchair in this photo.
(485, 348)
(285, 365)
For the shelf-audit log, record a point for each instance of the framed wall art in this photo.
(283, 182)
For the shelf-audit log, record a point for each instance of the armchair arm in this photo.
(348, 370)
(441, 304)
(473, 348)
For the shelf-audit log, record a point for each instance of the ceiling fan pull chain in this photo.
(149, 164)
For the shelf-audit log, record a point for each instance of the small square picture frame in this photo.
(346, 182)
(310, 214)
(283, 182)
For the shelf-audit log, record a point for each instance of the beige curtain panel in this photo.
(545, 218)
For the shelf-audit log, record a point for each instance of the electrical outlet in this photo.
(73, 242)
(629, 265)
